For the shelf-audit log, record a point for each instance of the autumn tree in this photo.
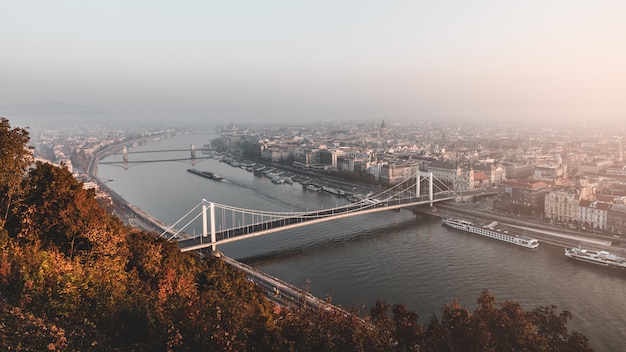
(15, 157)
(329, 329)
(409, 333)
(383, 326)
(504, 326)
(57, 210)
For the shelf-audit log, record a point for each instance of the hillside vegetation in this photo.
(74, 278)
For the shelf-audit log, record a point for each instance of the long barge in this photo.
(206, 174)
(333, 190)
(491, 231)
(601, 258)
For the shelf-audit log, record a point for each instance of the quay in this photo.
(134, 216)
(545, 234)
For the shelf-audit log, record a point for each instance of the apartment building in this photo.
(561, 204)
(523, 197)
(495, 174)
(593, 214)
(393, 173)
(460, 179)
(616, 219)
(516, 171)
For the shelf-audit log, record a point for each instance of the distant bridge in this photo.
(125, 161)
(224, 224)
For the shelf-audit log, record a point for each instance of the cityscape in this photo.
(572, 179)
(313, 176)
(549, 188)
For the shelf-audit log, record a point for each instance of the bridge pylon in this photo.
(211, 207)
(419, 177)
(125, 157)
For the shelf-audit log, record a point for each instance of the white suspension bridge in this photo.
(223, 224)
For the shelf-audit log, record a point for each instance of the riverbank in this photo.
(320, 178)
(529, 227)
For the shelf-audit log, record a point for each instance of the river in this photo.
(398, 257)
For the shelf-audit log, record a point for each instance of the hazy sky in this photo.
(327, 60)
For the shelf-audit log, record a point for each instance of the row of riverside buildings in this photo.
(587, 207)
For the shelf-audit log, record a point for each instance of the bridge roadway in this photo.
(302, 219)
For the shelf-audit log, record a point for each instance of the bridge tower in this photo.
(211, 207)
(193, 154)
(419, 177)
(125, 157)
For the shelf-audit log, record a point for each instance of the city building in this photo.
(274, 154)
(549, 172)
(481, 181)
(616, 170)
(523, 197)
(595, 167)
(593, 214)
(328, 158)
(561, 204)
(453, 175)
(516, 171)
(616, 219)
(495, 174)
(353, 164)
(394, 173)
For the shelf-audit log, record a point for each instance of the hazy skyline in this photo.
(302, 61)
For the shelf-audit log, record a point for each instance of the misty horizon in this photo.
(284, 62)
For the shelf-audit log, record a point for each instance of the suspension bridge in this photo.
(125, 156)
(223, 224)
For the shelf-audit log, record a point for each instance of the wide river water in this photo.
(398, 257)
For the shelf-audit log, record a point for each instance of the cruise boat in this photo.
(491, 231)
(602, 258)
